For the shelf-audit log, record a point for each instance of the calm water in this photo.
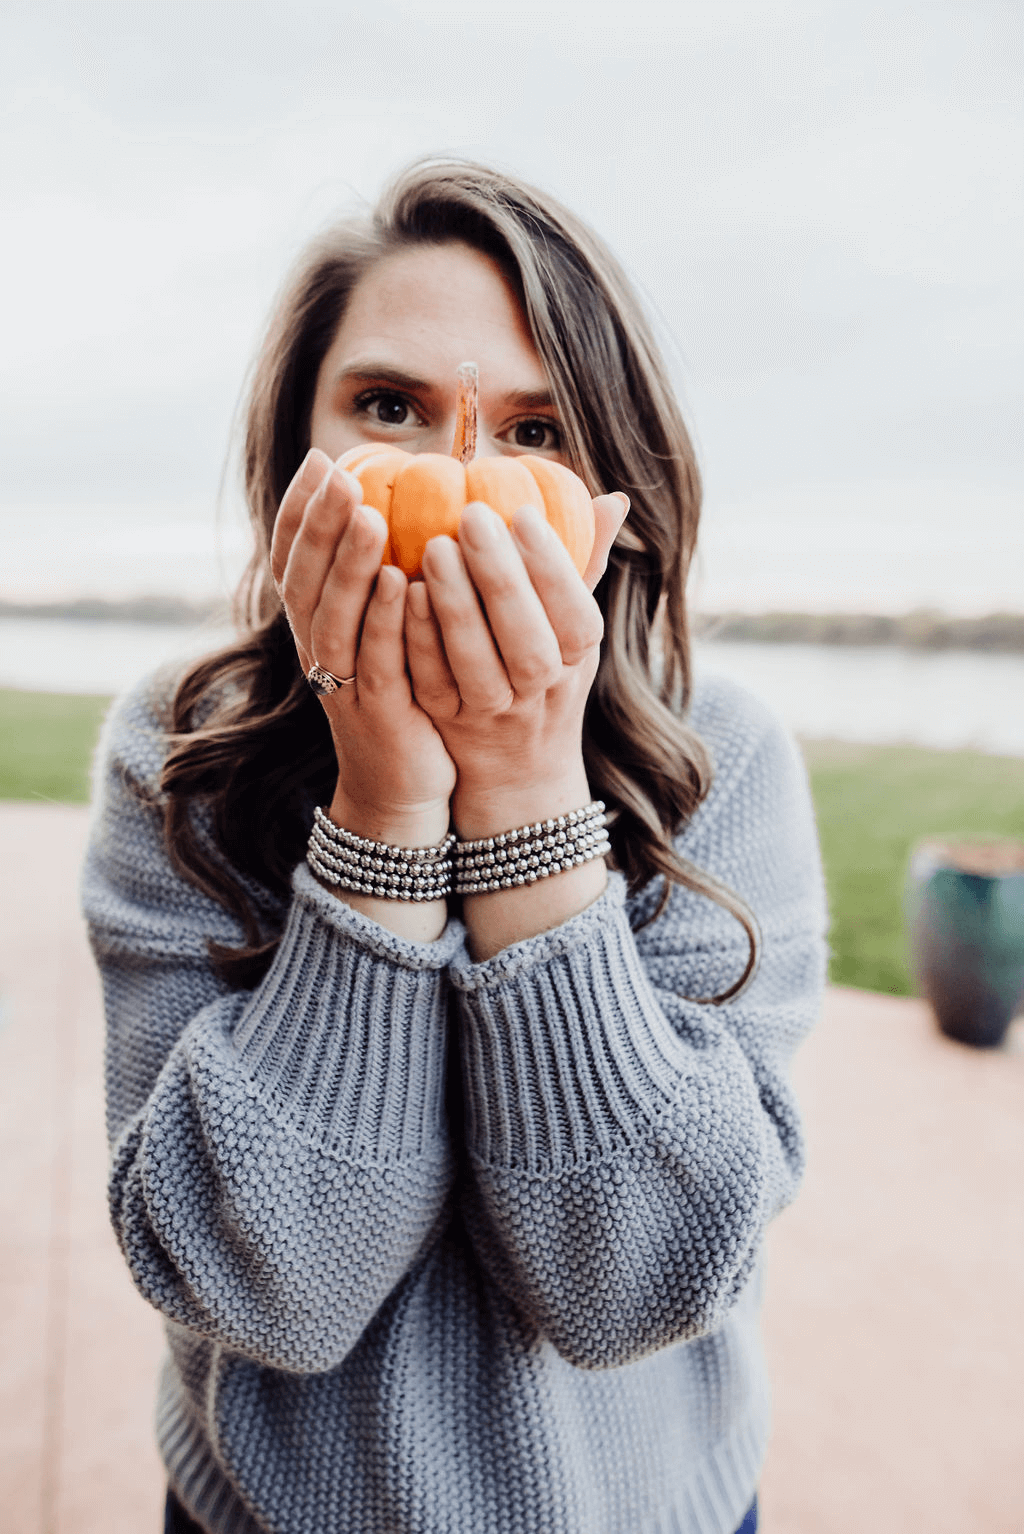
(65, 655)
(947, 699)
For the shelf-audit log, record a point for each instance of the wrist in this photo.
(422, 920)
(487, 810)
(423, 825)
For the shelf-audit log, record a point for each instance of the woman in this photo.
(454, 1207)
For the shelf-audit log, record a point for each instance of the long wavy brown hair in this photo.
(250, 742)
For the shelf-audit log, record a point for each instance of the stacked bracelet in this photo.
(531, 852)
(353, 862)
(517, 857)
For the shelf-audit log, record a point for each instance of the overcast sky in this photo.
(822, 202)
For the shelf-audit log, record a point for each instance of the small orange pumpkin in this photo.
(420, 495)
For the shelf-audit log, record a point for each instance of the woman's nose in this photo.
(442, 440)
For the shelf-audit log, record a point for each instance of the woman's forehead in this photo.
(426, 309)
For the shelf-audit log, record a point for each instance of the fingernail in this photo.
(441, 557)
(367, 519)
(346, 481)
(417, 600)
(530, 527)
(314, 468)
(390, 581)
(622, 496)
(478, 526)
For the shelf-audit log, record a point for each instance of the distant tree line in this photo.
(151, 609)
(924, 630)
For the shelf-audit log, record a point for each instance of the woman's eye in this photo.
(538, 436)
(385, 409)
(391, 410)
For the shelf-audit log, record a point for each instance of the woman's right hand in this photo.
(347, 613)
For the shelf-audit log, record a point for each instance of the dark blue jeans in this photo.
(749, 1524)
(177, 1521)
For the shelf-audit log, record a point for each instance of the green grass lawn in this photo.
(873, 804)
(46, 744)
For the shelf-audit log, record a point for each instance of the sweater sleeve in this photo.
(628, 1141)
(281, 1155)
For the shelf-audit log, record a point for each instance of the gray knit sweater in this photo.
(459, 1247)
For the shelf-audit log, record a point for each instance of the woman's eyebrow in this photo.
(531, 399)
(368, 371)
(383, 372)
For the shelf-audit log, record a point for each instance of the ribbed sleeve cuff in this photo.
(347, 1033)
(565, 1049)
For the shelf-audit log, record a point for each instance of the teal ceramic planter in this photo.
(965, 916)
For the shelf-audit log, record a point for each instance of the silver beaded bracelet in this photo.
(348, 861)
(531, 852)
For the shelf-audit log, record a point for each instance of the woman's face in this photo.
(389, 375)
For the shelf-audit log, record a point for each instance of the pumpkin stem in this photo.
(464, 446)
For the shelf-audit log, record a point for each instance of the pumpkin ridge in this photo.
(427, 499)
(504, 484)
(566, 503)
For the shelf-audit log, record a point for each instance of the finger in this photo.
(433, 684)
(475, 663)
(571, 613)
(515, 612)
(337, 619)
(312, 472)
(610, 511)
(380, 663)
(311, 556)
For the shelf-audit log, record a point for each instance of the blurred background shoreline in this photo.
(924, 629)
(922, 678)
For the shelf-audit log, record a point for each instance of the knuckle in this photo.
(317, 538)
(289, 595)
(582, 637)
(372, 682)
(460, 625)
(376, 628)
(324, 643)
(502, 583)
(539, 672)
(436, 700)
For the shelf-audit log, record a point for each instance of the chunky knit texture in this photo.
(443, 1247)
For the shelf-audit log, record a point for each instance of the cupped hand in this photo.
(503, 641)
(347, 613)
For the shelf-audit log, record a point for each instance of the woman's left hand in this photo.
(503, 641)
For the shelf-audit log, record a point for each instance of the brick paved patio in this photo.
(896, 1282)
